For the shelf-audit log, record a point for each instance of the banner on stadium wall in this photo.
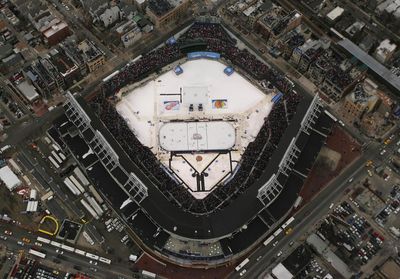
(203, 54)
(171, 105)
(220, 104)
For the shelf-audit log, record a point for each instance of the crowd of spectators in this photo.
(257, 155)
(149, 63)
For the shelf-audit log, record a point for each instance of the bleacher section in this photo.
(122, 169)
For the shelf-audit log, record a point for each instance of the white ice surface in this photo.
(144, 107)
(196, 136)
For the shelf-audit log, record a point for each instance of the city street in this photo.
(67, 260)
(310, 214)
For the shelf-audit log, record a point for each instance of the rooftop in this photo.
(386, 46)
(162, 7)
(281, 272)
(9, 178)
(335, 13)
(374, 65)
(93, 5)
(89, 50)
(364, 93)
(390, 269)
(63, 63)
(28, 90)
(53, 29)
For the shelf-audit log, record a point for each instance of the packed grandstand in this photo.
(257, 155)
(238, 213)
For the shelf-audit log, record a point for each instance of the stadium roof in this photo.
(373, 64)
(9, 178)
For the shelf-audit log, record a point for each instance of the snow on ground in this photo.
(239, 93)
(233, 97)
(217, 166)
(137, 108)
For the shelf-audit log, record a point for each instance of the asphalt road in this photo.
(72, 18)
(262, 259)
(67, 259)
(310, 214)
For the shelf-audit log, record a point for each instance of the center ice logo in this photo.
(171, 105)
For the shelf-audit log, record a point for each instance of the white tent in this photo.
(9, 178)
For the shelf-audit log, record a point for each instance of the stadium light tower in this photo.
(270, 190)
(312, 115)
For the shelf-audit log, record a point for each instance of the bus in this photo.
(268, 240)
(134, 60)
(278, 231)
(331, 116)
(43, 240)
(290, 220)
(55, 147)
(148, 274)
(242, 264)
(80, 252)
(55, 244)
(47, 140)
(56, 157)
(110, 76)
(95, 194)
(55, 164)
(92, 256)
(67, 248)
(71, 186)
(37, 253)
(76, 183)
(62, 156)
(105, 260)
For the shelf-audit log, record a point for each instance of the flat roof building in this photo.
(56, 33)
(281, 272)
(163, 12)
(28, 91)
(363, 99)
(384, 52)
(275, 23)
(92, 55)
(335, 14)
(9, 178)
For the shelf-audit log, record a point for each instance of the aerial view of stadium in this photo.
(204, 139)
(198, 145)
